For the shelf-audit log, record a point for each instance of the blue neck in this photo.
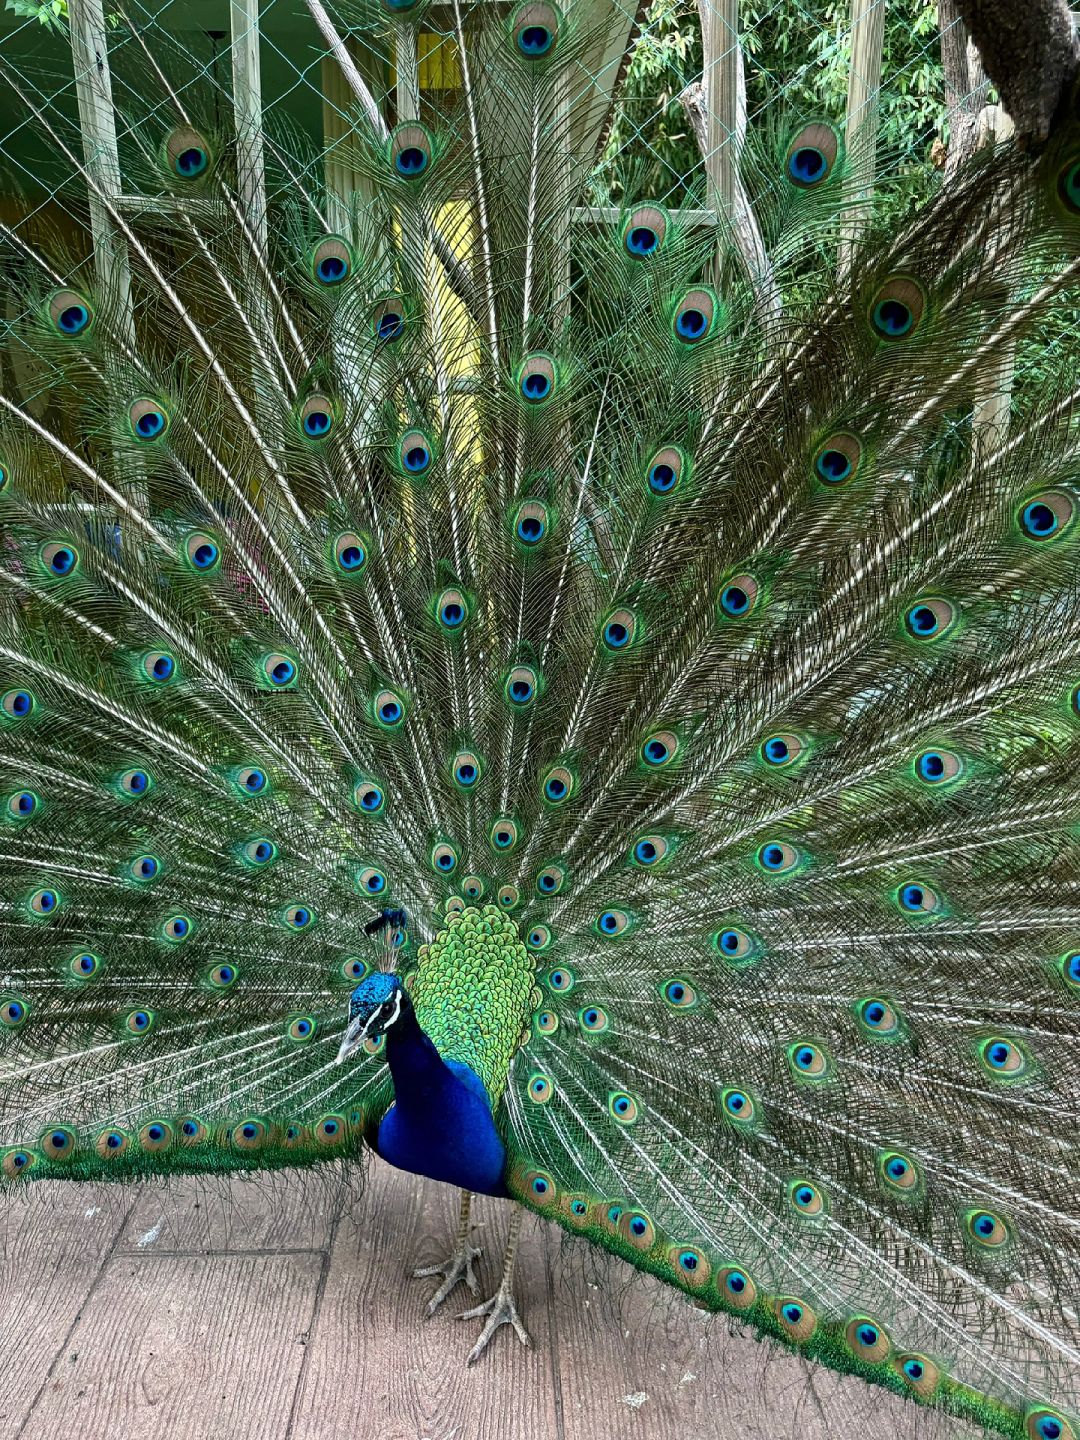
(440, 1124)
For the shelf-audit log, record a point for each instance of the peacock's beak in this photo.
(353, 1037)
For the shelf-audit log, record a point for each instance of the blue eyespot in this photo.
(833, 467)
(616, 634)
(736, 1282)
(371, 799)
(253, 780)
(140, 1020)
(792, 1313)
(913, 1369)
(452, 614)
(332, 269)
(390, 326)
(736, 1103)
(390, 711)
(641, 240)
(535, 40)
(775, 750)
(18, 703)
(892, 318)
(662, 479)
(806, 166)
(204, 555)
(416, 458)
(555, 788)
(74, 319)
(691, 324)
(411, 161)
(536, 385)
(897, 1168)
(735, 600)
(191, 162)
(147, 867)
(61, 559)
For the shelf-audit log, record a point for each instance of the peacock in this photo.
(536, 688)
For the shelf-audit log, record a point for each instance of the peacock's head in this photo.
(373, 1007)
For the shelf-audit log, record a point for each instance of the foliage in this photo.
(797, 60)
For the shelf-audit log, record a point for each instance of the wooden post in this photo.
(720, 83)
(247, 107)
(863, 111)
(93, 88)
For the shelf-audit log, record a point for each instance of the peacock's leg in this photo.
(458, 1264)
(500, 1309)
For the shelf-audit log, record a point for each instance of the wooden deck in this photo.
(279, 1310)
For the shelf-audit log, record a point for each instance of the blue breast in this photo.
(450, 1136)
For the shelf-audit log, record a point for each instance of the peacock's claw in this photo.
(457, 1266)
(500, 1310)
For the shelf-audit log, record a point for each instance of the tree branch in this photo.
(1030, 53)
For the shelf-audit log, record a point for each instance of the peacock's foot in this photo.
(457, 1266)
(500, 1310)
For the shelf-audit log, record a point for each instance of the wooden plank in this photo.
(247, 110)
(638, 1361)
(863, 111)
(720, 80)
(277, 1210)
(371, 1325)
(53, 1245)
(197, 1347)
(93, 87)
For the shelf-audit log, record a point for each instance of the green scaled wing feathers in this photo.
(700, 675)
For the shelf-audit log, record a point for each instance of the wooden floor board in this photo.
(251, 1311)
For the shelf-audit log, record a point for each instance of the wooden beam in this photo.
(720, 84)
(863, 112)
(247, 109)
(93, 89)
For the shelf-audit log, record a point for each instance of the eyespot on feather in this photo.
(1002, 1059)
(17, 1163)
(559, 785)
(316, 417)
(70, 314)
(637, 1229)
(938, 767)
(916, 898)
(148, 419)
(250, 780)
(451, 610)
(58, 1143)
(415, 453)
(14, 1011)
(777, 857)
(695, 316)
(17, 705)
(659, 749)
(665, 471)
(201, 552)
(622, 1107)
(538, 938)
(734, 944)
(389, 319)
(369, 797)
(878, 1017)
(466, 769)
(561, 980)
(537, 379)
(986, 1228)
(808, 1061)
(508, 897)
(444, 859)
(331, 1131)
(521, 686)
(60, 558)
(350, 553)
(867, 1340)
(135, 782)
(331, 261)
(371, 881)
(737, 1105)
(158, 666)
(918, 1372)
(691, 1266)
(735, 1287)
(535, 29)
(738, 597)
(298, 917)
(250, 1134)
(84, 965)
(187, 155)
(550, 880)
(531, 523)
(811, 156)
(1046, 516)
(897, 308)
(837, 459)
(22, 806)
(503, 836)
(388, 709)
(781, 750)
(797, 1320)
(411, 151)
(612, 923)
(1042, 1423)
(139, 1022)
(539, 1088)
(156, 1137)
(898, 1172)
(619, 630)
(45, 903)
(806, 1198)
(650, 850)
(112, 1143)
(644, 231)
(593, 1020)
